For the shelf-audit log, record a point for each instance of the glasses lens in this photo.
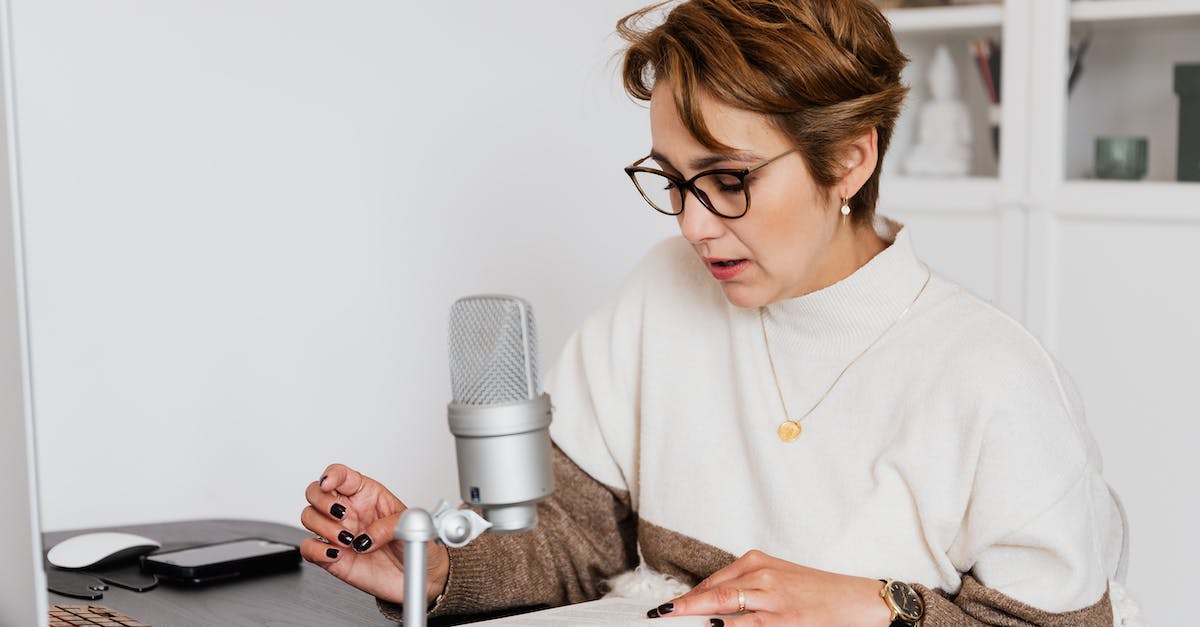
(659, 191)
(724, 193)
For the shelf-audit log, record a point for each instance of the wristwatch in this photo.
(904, 602)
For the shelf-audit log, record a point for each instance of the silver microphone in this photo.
(499, 416)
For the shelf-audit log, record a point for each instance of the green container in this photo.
(1121, 157)
(1187, 85)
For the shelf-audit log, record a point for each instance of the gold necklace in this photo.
(790, 429)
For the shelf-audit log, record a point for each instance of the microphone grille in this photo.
(493, 350)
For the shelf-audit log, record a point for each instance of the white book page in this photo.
(611, 611)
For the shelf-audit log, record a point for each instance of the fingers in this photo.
(377, 534)
(325, 527)
(333, 506)
(720, 600)
(739, 587)
(332, 538)
(352, 486)
(753, 619)
(334, 514)
(342, 479)
(320, 553)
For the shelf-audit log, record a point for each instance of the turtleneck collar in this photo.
(850, 314)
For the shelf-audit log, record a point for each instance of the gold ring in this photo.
(741, 601)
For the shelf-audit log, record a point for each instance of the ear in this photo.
(858, 161)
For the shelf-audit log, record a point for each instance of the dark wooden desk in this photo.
(308, 597)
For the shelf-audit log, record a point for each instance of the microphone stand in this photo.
(452, 527)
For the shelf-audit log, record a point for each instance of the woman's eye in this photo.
(730, 184)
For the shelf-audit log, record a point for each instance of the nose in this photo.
(696, 223)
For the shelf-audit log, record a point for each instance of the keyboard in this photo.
(90, 616)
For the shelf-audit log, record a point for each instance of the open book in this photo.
(611, 611)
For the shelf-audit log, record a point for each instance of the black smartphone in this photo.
(221, 561)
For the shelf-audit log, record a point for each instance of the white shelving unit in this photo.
(1104, 272)
(1139, 201)
(1082, 11)
(946, 19)
(1125, 89)
(989, 202)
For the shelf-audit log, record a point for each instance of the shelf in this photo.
(1129, 200)
(933, 194)
(1141, 201)
(1087, 11)
(1127, 90)
(944, 19)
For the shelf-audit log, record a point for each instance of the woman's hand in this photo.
(776, 592)
(356, 516)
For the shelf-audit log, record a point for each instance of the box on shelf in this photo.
(1187, 85)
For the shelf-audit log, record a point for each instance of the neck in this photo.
(851, 248)
(843, 317)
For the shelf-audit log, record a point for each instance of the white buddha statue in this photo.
(943, 146)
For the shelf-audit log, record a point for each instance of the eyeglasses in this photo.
(723, 192)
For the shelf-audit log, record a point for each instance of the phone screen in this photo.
(218, 553)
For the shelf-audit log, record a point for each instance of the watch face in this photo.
(906, 601)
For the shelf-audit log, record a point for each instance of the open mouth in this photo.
(726, 269)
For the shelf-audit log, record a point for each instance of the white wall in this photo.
(247, 222)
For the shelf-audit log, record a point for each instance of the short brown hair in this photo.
(824, 71)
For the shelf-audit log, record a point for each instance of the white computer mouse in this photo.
(98, 549)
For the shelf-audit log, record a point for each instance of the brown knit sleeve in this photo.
(977, 605)
(586, 533)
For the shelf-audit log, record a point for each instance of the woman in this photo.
(786, 382)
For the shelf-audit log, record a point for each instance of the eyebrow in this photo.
(700, 163)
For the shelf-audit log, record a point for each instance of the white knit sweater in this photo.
(955, 444)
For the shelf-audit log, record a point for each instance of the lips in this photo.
(726, 269)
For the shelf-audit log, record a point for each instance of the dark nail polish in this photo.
(362, 543)
(652, 614)
(321, 483)
(666, 608)
(716, 622)
(345, 537)
(338, 511)
(331, 553)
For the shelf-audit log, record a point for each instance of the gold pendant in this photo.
(789, 430)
